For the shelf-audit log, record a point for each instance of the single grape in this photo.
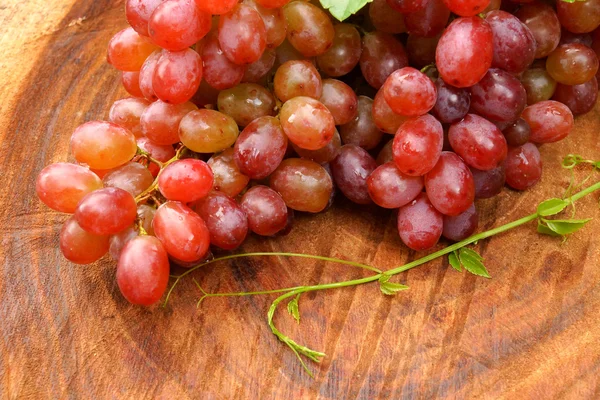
(106, 211)
(304, 185)
(146, 76)
(185, 180)
(421, 50)
(219, 72)
(266, 211)
(160, 121)
(162, 153)
(275, 24)
(420, 224)
(385, 18)
(407, 6)
(518, 133)
(462, 226)
(498, 96)
(242, 35)
(550, 121)
(246, 102)
(131, 177)
(131, 83)
(340, 100)
(127, 113)
(465, 51)
(227, 176)
(579, 16)
(488, 183)
(225, 220)
(572, 64)
(61, 186)
(208, 131)
(514, 44)
(362, 131)
(138, 14)
(538, 84)
(182, 232)
(390, 188)
(449, 185)
(178, 24)
(128, 50)
(324, 154)
(478, 141)
(350, 171)
(307, 122)
(102, 145)
(580, 99)
(409, 92)
(344, 53)
(260, 148)
(258, 70)
(452, 104)
(310, 30)
(167, 82)
(418, 145)
(428, 21)
(384, 117)
(80, 246)
(523, 166)
(543, 23)
(216, 7)
(382, 54)
(297, 78)
(143, 271)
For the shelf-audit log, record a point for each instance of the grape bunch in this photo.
(244, 112)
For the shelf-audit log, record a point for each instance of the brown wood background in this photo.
(531, 332)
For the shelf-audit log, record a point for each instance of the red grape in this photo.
(160, 121)
(409, 92)
(579, 16)
(418, 145)
(362, 131)
(80, 246)
(523, 166)
(572, 64)
(462, 226)
(131, 83)
(275, 24)
(382, 54)
(580, 99)
(178, 24)
(138, 14)
(514, 44)
(242, 35)
(390, 188)
(449, 185)
(227, 176)
(498, 96)
(543, 23)
(216, 7)
(323, 155)
(258, 70)
(344, 53)
(185, 180)
(307, 123)
(420, 224)
(266, 211)
(127, 113)
(310, 30)
(340, 100)
(297, 78)
(127, 50)
(106, 211)
(225, 220)
(219, 72)
(350, 171)
(467, 8)
(167, 82)
(550, 121)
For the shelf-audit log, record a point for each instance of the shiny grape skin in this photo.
(127, 50)
(452, 103)
(498, 96)
(304, 185)
(80, 246)
(216, 7)
(465, 51)
(467, 8)
(106, 211)
(275, 24)
(227, 176)
(384, 118)
(385, 154)
(420, 224)
(242, 35)
(428, 21)
(514, 44)
(183, 232)
(307, 123)
(344, 54)
(421, 50)
(390, 188)
(323, 155)
(572, 64)
(185, 180)
(208, 131)
(580, 16)
(449, 185)
(218, 71)
(225, 220)
(461, 226)
(265, 209)
(297, 78)
(523, 166)
(143, 271)
(127, 113)
(350, 171)
(310, 30)
(407, 6)
(418, 145)
(258, 70)
(146, 76)
(550, 121)
(478, 141)
(159, 152)
(488, 183)
(518, 133)
(382, 54)
(538, 84)
(138, 14)
(409, 92)
(131, 83)
(160, 121)
(167, 81)
(544, 25)
(102, 145)
(385, 18)
(246, 102)
(362, 131)
(340, 100)
(580, 99)
(260, 148)
(131, 177)
(178, 24)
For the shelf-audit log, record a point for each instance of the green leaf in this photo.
(342, 9)
(293, 309)
(390, 288)
(453, 260)
(472, 262)
(551, 207)
(566, 226)
(544, 230)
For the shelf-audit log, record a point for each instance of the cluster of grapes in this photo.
(170, 176)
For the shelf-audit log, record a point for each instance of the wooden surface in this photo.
(531, 332)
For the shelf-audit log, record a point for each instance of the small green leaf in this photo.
(551, 207)
(342, 9)
(566, 226)
(390, 288)
(293, 309)
(453, 260)
(472, 262)
(544, 230)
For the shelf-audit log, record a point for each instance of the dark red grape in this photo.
(478, 141)
(225, 220)
(420, 224)
(266, 211)
(498, 96)
(543, 23)
(523, 166)
(350, 171)
(579, 98)
(462, 226)
(518, 133)
(452, 103)
(514, 44)
(550, 121)
(488, 183)
(449, 185)
(382, 54)
(428, 21)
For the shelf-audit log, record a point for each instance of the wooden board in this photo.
(531, 332)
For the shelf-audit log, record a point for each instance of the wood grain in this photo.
(530, 332)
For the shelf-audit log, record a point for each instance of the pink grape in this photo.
(185, 180)
(390, 188)
(418, 145)
(449, 185)
(106, 211)
(420, 224)
(80, 246)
